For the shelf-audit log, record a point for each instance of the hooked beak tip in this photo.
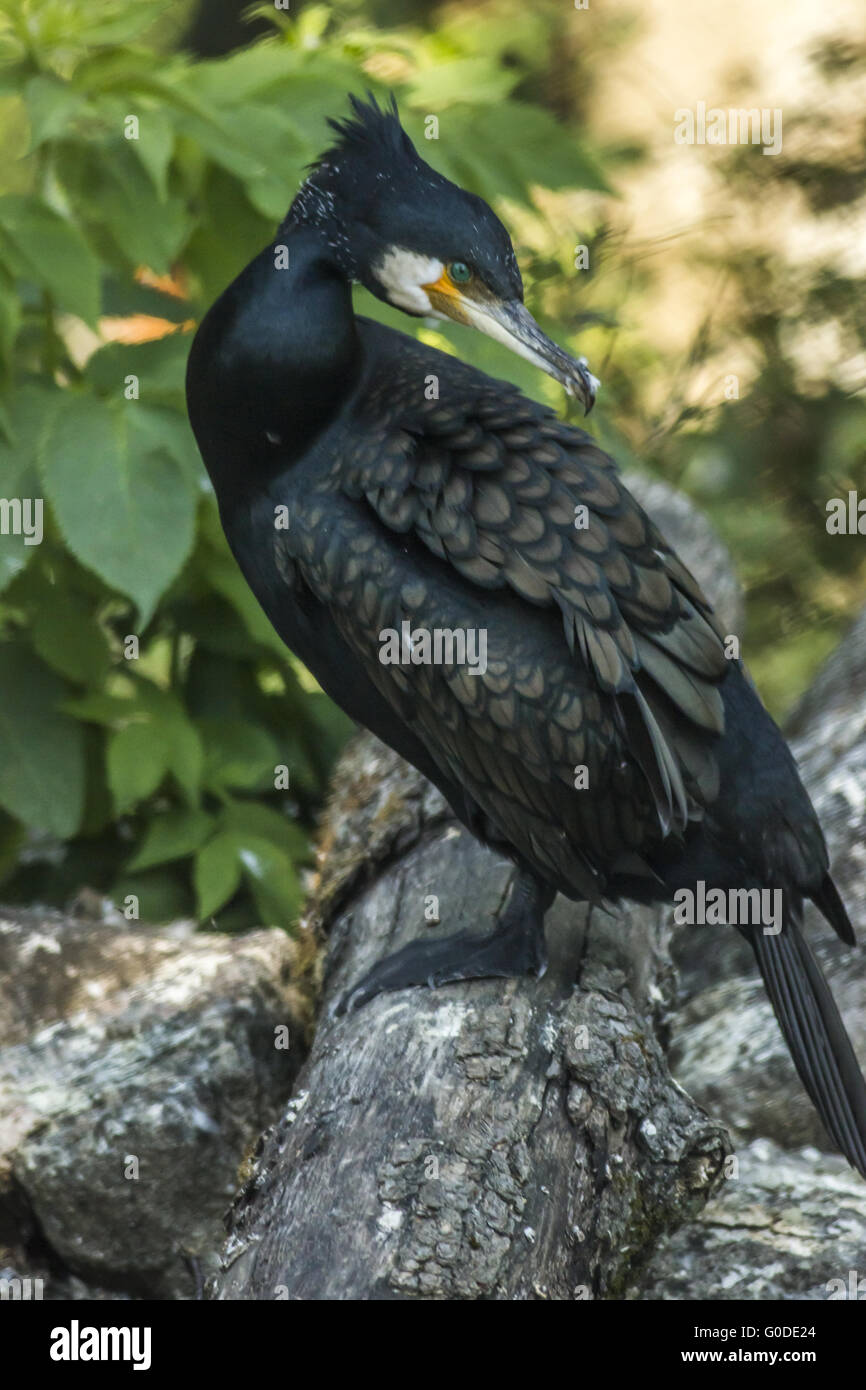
(510, 323)
(583, 385)
(524, 336)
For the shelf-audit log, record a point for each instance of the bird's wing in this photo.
(578, 756)
(512, 732)
(510, 497)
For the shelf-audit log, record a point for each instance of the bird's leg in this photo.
(514, 947)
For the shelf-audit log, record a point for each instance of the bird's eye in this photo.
(459, 272)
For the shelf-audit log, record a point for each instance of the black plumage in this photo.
(418, 489)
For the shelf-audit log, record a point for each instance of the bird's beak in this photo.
(510, 322)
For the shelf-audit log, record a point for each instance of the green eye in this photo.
(459, 272)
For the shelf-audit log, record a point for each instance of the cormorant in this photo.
(609, 747)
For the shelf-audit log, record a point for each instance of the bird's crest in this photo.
(371, 129)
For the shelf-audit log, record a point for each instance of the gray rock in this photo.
(137, 1068)
(784, 1226)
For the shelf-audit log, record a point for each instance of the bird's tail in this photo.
(816, 1036)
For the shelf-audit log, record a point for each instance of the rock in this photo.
(138, 1067)
(784, 1226)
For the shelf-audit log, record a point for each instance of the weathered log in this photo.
(519, 1139)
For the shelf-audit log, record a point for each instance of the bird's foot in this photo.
(516, 947)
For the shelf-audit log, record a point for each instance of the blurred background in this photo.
(159, 748)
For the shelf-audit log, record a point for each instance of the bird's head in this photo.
(419, 242)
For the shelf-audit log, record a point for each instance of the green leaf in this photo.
(136, 763)
(42, 770)
(273, 880)
(237, 754)
(463, 79)
(173, 835)
(162, 894)
(242, 75)
(30, 409)
(154, 424)
(186, 754)
(217, 874)
(154, 147)
(502, 151)
(259, 144)
(159, 366)
(158, 738)
(222, 573)
(52, 105)
(147, 229)
(141, 531)
(268, 870)
(126, 23)
(251, 818)
(10, 318)
(229, 228)
(156, 427)
(39, 245)
(100, 708)
(67, 636)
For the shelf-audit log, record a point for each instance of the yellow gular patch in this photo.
(445, 296)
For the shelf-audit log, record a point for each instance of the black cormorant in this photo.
(609, 747)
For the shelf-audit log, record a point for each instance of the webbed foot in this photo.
(515, 947)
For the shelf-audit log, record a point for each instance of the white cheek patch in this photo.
(402, 274)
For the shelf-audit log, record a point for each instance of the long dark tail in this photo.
(816, 1037)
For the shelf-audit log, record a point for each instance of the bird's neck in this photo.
(274, 360)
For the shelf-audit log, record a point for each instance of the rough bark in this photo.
(519, 1139)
